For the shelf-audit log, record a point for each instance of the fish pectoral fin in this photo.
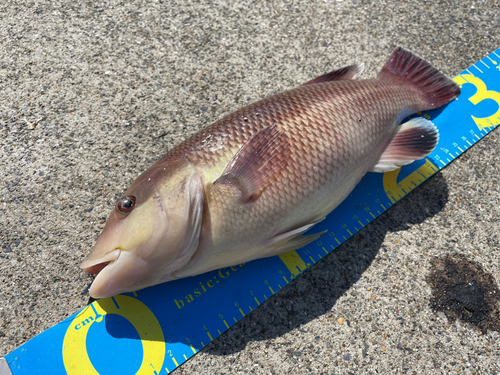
(342, 74)
(292, 239)
(258, 163)
(414, 140)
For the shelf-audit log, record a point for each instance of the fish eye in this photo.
(126, 204)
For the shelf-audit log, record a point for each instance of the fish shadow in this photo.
(317, 290)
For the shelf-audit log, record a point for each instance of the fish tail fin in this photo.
(435, 88)
(414, 140)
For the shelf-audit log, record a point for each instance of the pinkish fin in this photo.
(414, 140)
(258, 163)
(342, 74)
(289, 234)
(435, 87)
(292, 239)
(295, 243)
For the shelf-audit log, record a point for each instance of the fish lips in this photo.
(95, 266)
(117, 272)
(102, 268)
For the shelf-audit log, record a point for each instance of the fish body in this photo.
(251, 184)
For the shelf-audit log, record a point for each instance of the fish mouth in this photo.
(95, 266)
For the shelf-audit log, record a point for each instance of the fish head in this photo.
(153, 231)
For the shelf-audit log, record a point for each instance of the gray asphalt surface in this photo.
(91, 93)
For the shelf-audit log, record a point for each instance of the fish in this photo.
(253, 183)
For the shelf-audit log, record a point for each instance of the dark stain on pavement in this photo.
(463, 290)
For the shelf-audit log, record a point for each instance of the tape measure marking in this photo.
(75, 356)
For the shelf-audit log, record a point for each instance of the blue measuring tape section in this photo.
(156, 329)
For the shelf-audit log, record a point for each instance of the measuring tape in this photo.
(161, 327)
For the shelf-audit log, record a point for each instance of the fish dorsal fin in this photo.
(342, 74)
(258, 163)
(414, 140)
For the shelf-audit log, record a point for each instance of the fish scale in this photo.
(323, 129)
(168, 330)
(263, 185)
(311, 104)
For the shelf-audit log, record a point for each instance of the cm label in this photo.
(75, 356)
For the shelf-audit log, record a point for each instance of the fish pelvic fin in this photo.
(296, 243)
(292, 239)
(406, 67)
(342, 74)
(414, 140)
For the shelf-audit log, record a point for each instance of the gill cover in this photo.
(156, 238)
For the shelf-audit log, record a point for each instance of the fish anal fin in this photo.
(414, 140)
(258, 163)
(382, 168)
(342, 74)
